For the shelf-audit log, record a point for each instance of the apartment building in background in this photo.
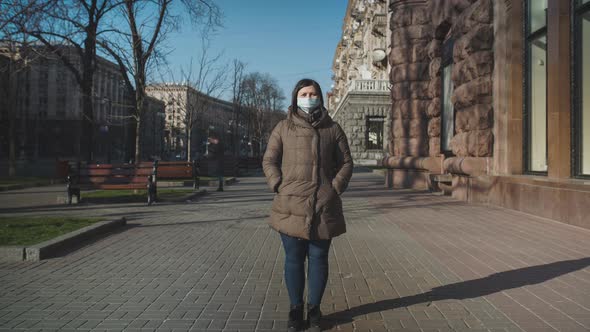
(185, 107)
(359, 100)
(48, 111)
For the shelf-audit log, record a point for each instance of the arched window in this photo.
(535, 110)
(447, 130)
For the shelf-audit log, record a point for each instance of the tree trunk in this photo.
(36, 139)
(12, 147)
(189, 138)
(87, 82)
(87, 120)
(137, 140)
(236, 136)
(140, 109)
(11, 109)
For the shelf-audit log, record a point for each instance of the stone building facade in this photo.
(152, 130)
(183, 103)
(359, 100)
(48, 110)
(489, 102)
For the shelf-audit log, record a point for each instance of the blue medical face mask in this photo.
(308, 104)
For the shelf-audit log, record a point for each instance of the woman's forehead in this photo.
(307, 89)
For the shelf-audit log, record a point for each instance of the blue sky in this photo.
(289, 40)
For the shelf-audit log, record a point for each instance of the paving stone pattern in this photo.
(411, 261)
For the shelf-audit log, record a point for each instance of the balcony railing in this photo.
(380, 24)
(368, 86)
(380, 20)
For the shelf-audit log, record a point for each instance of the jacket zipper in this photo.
(318, 182)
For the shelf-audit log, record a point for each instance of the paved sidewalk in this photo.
(30, 197)
(411, 261)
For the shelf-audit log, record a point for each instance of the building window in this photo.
(535, 112)
(448, 111)
(375, 132)
(582, 91)
(448, 114)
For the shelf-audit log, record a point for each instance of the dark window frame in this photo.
(577, 11)
(527, 79)
(382, 132)
(446, 59)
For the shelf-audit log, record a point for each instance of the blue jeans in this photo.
(296, 250)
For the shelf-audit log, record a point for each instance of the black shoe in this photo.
(295, 322)
(314, 316)
(219, 189)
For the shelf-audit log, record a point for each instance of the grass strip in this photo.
(24, 180)
(31, 230)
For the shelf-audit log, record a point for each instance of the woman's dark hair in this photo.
(302, 84)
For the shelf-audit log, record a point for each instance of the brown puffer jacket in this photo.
(308, 165)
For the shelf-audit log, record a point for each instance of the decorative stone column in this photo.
(472, 78)
(410, 34)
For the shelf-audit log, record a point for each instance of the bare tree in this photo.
(238, 68)
(209, 82)
(262, 97)
(273, 98)
(12, 12)
(15, 59)
(190, 96)
(75, 24)
(140, 45)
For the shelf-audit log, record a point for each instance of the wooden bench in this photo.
(112, 177)
(178, 170)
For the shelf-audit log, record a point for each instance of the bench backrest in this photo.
(112, 173)
(175, 170)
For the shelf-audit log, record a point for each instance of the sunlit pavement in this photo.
(411, 261)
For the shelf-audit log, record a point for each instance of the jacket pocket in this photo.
(325, 198)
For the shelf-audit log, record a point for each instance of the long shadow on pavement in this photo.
(491, 284)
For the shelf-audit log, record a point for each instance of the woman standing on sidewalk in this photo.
(307, 164)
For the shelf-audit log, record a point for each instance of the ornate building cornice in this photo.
(394, 4)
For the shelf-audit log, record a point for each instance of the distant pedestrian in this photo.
(308, 165)
(215, 157)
